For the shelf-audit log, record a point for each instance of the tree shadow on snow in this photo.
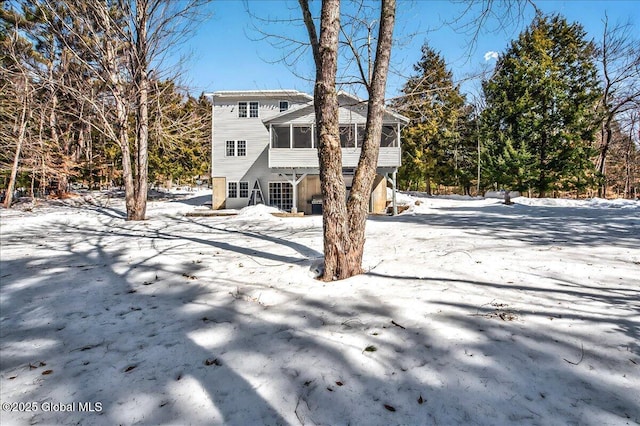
(537, 225)
(163, 341)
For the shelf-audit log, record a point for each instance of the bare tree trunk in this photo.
(344, 224)
(141, 80)
(628, 158)
(22, 127)
(334, 208)
(358, 204)
(605, 143)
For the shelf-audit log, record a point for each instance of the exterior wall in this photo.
(307, 189)
(263, 164)
(219, 193)
(379, 195)
(308, 158)
(228, 126)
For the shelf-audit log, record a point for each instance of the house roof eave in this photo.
(283, 93)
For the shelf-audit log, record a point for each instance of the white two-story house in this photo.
(264, 149)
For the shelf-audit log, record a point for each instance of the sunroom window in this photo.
(281, 137)
(302, 137)
(389, 137)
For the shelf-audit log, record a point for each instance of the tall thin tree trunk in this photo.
(22, 128)
(142, 112)
(605, 143)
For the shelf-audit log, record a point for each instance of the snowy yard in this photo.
(472, 312)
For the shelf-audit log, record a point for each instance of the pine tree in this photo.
(431, 141)
(538, 127)
(179, 130)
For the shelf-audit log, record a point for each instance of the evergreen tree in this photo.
(179, 134)
(431, 142)
(538, 127)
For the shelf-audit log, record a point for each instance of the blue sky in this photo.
(228, 52)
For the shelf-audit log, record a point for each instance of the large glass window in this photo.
(281, 137)
(281, 195)
(347, 136)
(302, 137)
(253, 109)
(389, 137)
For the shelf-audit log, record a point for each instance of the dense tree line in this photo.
(81, 103)
(558, 116)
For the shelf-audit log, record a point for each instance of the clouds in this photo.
(490, 55)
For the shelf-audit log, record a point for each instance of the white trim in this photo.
(260, 93)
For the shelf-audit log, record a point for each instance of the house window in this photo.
(241, 148)
(389, 137)
(231, 148)
(242, 109)
(360, 135)
(284, 105)
(347, 136)
(281, 137)
(281, 195)
(236, 148)
(244, 189)
(232, 189)
(302, 137)
(253, 109)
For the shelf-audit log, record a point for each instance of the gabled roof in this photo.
(290, 111)
(352, 100)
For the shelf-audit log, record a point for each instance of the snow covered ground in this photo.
(472, 312)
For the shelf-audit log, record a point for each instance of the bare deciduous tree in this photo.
(619, 57)
(122, 40)
(344, 224)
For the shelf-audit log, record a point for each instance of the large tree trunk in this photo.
(344, 226)
(334, 217)
(358, 204)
